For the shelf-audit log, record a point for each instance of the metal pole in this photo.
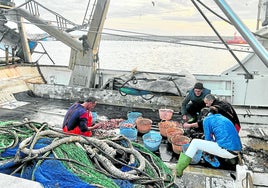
(13, 55)
(259, 15)
(244, 31)
(6, 53)
(24, 41)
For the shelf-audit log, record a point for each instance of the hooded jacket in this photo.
(221, 130)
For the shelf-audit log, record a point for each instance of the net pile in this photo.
(35, 151)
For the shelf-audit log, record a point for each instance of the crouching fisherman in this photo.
(78, 119)
(221, 139)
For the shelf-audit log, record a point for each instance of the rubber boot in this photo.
(183, 162)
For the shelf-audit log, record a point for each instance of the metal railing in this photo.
(63, 24)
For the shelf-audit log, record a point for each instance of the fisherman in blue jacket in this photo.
(221, 139)
(194, 102)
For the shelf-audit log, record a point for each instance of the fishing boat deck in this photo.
(52, 111)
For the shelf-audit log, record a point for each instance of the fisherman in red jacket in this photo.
(78, 119)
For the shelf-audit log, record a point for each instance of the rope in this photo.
(135, 81)
(42, 153)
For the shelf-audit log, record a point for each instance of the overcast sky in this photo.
(159, 17)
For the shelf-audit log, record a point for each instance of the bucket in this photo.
(143, 125)
(163, 126)
(165, 114)
(197, 156)
(172, 131)
(152, 140)
(130, 133)
(133, 115)
(177, 142)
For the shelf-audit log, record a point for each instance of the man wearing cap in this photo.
(78, 119)
(194, 102)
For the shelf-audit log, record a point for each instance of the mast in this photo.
(24, 41)
(84, 64)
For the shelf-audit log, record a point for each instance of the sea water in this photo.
(147, 56)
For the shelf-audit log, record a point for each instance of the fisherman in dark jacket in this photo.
(193, 102)
(224, 108)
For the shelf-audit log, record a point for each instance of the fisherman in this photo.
(78, 119)
(224, 108)
(221, 139)
(193, 102)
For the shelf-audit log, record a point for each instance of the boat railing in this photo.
(6, 4)
(63, 24)
(219, 86)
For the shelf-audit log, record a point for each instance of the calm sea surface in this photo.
(148, 56)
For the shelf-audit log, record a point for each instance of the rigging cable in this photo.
(248, 75)
(145, 38)
(141, 37)
(135, 37)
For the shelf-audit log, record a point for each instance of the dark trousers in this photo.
(194, 109)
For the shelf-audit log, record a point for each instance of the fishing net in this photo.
(38, 152)
(157, 162)
(49, 169)
(138, 83)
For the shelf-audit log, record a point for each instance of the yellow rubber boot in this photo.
(183, 162)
